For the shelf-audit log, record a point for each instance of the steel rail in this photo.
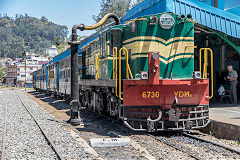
(176, 147)
(47, 137)
(4, 134)
(211, 142)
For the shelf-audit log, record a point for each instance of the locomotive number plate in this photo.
(149, 94)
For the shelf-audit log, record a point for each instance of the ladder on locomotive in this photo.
(116, 69)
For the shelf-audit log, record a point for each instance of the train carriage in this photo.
(37, 82)
(51, 78)
(64, 76)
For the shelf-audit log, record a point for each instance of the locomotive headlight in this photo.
(153, 20)
(166, 21)
(155, 55)
(197, 75)
(144, 75)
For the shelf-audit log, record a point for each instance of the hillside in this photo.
(25, 33)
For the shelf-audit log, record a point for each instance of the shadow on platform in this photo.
(59, 104)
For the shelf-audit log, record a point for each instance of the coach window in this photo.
(100, 46)
(92, 48)
(60, 74)
(105, 46)
(95, 46)
(88, 51)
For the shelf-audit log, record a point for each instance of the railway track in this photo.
(210, 142)
(163, 140)
(46, 136)
(4, 134)
(176, 143)
(44, 133)
(215, 147)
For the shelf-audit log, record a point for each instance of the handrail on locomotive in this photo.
(205, 65)
(97, 67)
(115, 69)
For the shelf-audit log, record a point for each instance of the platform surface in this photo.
(226, 113)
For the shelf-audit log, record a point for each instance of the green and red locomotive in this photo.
(142, 72)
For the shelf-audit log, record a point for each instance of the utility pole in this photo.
(25, 66)
(75, 111)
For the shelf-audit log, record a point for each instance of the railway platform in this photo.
(225, 121)
(226, 113)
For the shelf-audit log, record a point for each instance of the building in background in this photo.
(51, 52)
(16, 69)
(21, 73)
(33, 63)
(11, 72)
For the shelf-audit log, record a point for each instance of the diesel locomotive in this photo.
(141, 72)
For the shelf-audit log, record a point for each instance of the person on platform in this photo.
(232, 77)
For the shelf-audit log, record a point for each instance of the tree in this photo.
(30, 34)
(119, 7)
(44, 19)
(136, 3)
(57, 43)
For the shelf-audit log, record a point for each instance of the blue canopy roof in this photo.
(204, 14)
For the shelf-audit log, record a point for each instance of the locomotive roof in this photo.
(204, 14)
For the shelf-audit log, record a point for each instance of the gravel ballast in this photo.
(97, 126)
(24, 139)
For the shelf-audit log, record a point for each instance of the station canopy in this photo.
(224, 24)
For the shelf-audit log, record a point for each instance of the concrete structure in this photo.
(11, 71)
(34, 59)
(52, 52)
(33, 63)
(5, 61)
(110, 142)
(225, 121)
(16, 69)
(30, 68)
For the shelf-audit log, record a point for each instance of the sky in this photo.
(62, 12)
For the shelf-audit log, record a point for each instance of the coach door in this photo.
(115, 39)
